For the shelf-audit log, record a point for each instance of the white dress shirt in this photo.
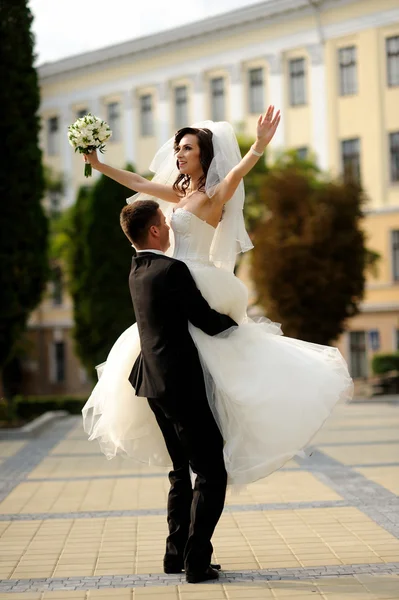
(150, 250)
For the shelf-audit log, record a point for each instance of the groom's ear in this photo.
(154, 230)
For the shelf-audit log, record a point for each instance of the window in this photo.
(394, 156)
(392, 49)
(147, 116)
(82, 113)
(114, 121)
(302, 153)
(347, 71)
(57, 286)
(59, 361)
(55, 203)
(297, 81)
(217, 99)
(395, 254)
(350, 152)
(358, 354)
(256, 92)
(52, 136)
(181, 107)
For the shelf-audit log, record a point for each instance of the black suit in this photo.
(168, 372)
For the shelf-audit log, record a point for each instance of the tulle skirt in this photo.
(270, 394)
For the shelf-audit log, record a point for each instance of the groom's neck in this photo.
(153, 243)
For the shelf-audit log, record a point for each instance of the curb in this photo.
(34, 427)
(383, 398)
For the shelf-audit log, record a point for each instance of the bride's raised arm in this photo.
(265, 130)
(133, 181)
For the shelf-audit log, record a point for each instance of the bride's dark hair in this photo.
(204, 137)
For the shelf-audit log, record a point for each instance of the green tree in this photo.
(253, 183)
(98, 263)
(23, 224)
(310, 258)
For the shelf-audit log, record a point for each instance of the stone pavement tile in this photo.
(70, 595)
(77, 431)
(10, 447)
(162, 592)
(109, 594)
(347, 421)
(26, 596)
(311, 537)
(388, 477)
(272, 589)
(76, 447)
(354, 435)
(116, 593)
(284, 486)
(151, 493)
(213, 591)
(89, 466)
(243, 540)
(86, 495)
(368, 455)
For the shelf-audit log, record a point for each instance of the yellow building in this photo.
(331, 66)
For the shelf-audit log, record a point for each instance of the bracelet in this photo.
(255, 152)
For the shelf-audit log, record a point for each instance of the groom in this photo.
(169, 374)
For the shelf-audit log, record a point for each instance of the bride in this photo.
(269, 394)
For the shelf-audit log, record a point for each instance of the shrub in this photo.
(27, 407)
(384, 363)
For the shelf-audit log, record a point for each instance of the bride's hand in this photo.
(92, 158)
(267, 125)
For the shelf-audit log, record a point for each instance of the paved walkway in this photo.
(76, 526)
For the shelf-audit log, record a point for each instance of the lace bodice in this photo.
(193, 237)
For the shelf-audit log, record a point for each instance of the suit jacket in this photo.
(165, 298)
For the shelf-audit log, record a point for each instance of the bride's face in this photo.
(188, 155)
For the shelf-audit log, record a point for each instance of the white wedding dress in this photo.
(270, 394)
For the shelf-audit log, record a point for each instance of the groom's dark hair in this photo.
(137, 218)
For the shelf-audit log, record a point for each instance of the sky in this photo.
(67, 27)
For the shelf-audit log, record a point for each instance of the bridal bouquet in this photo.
(88, 133)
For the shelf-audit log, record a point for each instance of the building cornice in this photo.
(381, 210)
(256, 15)
(379, 307)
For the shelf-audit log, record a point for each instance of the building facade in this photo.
(332, 67)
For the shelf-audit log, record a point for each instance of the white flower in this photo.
(88, 131)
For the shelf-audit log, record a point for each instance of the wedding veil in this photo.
(231, 237)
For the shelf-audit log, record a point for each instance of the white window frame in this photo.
(256, 90)
(347, 60)
(181, 106)
(54, 373)
(350, 154)
(394, 156)
(218, 98)
(362, 368)
(53, 136)
(297, 81)
(146, 115)
(392, 59)
(82, 112)
(302, 152)
(395, 254)
(114, 121)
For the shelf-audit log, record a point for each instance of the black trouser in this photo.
(193, 439)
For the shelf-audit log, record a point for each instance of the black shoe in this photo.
(173, 570)
(207, 575)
